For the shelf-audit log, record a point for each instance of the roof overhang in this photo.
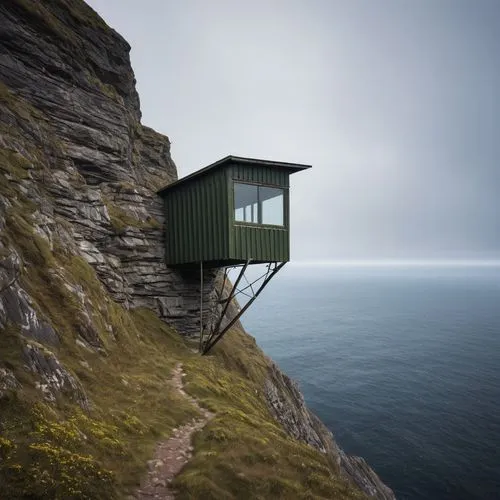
(252, 162)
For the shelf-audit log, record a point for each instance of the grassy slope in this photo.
(57, 450)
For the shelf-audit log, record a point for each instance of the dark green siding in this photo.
(264, 244)
(200, 223)
(261, 175)
(196, 220)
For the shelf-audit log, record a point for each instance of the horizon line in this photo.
(399, 263)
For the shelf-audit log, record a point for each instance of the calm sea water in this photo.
(403, 365)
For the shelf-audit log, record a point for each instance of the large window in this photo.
(258, 204)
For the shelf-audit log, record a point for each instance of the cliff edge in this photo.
(92, 321)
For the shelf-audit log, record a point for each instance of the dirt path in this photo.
(171, 455)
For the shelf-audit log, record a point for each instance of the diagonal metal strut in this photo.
(217, 332)
(227, 301)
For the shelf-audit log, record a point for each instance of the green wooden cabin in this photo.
(232, 211)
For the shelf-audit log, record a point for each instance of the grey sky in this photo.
(395, 103)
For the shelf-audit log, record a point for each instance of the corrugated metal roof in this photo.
(292, 167)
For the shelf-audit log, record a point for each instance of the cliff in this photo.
(92, 322)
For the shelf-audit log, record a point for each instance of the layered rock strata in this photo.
(101, 166)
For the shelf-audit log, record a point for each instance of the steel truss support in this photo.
(215, 328)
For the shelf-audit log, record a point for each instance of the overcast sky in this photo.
(395, 103)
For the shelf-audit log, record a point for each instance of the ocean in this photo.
(401, 363)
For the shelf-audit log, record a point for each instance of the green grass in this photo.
(120, 219)
(125, 370)
(105, 88)
(14, 164)
(126, 380)
(242, 453)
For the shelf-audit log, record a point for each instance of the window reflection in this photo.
(271, 202)
(258, 204)
(246, 198)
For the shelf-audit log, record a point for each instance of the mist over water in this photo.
(401, 363)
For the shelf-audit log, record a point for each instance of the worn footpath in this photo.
(172, 454)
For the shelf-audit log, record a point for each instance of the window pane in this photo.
(246, 203)
(272, 202)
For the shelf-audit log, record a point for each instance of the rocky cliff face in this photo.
(79, 176)
(100, 167)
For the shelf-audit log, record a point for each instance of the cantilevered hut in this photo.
(233, 213)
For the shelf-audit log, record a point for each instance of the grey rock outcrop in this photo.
(16, 305)
(356, 469)
(101, 166)
(288, 406)
(55, 379)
